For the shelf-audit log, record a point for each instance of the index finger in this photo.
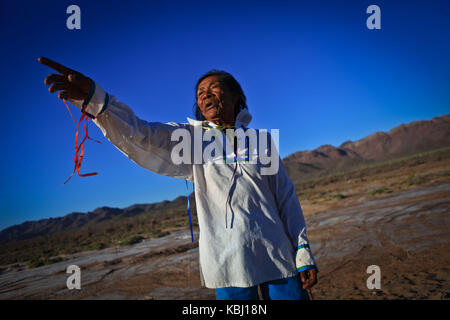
(54, 65)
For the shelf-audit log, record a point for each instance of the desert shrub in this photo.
(34, 263)
(98, 246)
(85, 243)
(414, 180)
(160, 234)
(378, 190)
(131, 240)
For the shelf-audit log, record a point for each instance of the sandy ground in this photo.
(405, 233)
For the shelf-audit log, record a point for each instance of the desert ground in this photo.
(405, 233)
(396, 216)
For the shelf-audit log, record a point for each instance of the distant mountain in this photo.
(406, 139)
(76, 220)
(403, 140)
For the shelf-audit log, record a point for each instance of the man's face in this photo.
(216, 101)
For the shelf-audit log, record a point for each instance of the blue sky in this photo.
(309, 68)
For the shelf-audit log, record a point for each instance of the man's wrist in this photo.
(95, 102)
(308, 267)
(90, 94)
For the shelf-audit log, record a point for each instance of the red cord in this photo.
(79, 155)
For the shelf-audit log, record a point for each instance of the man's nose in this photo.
(208, 94)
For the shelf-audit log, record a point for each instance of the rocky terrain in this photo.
(391, 211)
(406, 234)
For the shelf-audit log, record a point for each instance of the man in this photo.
(263, 242)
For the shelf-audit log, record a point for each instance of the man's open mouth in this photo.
(209, 105)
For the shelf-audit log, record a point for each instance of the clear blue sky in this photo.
(310, 68)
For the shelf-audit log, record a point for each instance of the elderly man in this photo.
(264, 244)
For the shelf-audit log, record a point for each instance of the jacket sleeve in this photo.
(146, 143)
(292, 216)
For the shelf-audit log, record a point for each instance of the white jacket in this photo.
(252, 228)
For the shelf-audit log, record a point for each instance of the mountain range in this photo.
(403, 140)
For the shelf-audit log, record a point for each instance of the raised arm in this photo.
(146, 143)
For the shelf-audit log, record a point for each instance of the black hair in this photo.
(231, 83)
